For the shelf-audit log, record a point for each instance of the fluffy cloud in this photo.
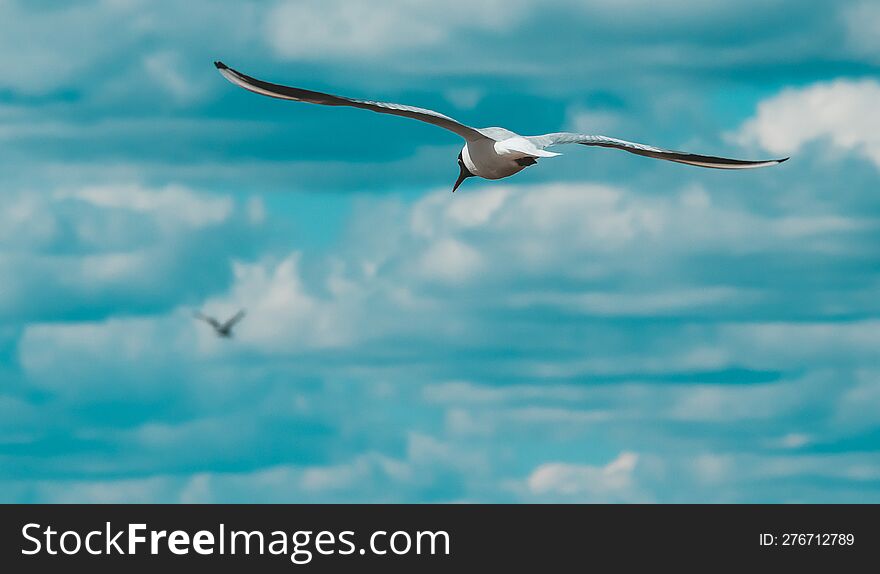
(427, 470)
(110, 244)
(171, 203)
(377, 323)
(857, 407)
(610, 483)
(319, 29)
(282, 312)
(37, 43)
(839, 114)
(311, 30)
(52, 35)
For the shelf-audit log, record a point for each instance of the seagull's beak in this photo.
(463, 175)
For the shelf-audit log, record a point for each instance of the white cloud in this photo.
(256, 210)
(167, 68)
(282, 313)
(582, 234)
(614, 482)
(450, 261)
(81, 359)
(733, 467)
(592, 121)
(789, 344)
(311, 29)
(729, 403)
(25, 220)
(366, 476)
(50, 46)
(630, 477)
(858, 407)
(118, 491)
(353, 475)
(590, 231)
(640, 303)
(464, 98)
(841, 113)
(106, 244)
(37, 47)
(172, 202)
(306, 29)
(387, 274)
(793, 440)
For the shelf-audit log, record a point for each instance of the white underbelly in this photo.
(482, 159)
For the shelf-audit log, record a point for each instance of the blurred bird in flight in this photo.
(223, 330)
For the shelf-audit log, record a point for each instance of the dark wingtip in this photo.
(783, 159)
(220, 65)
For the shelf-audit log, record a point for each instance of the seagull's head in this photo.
(463, 174)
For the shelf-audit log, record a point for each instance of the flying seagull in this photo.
(222, 329)
(490, 153)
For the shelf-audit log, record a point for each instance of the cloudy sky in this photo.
(600, 328)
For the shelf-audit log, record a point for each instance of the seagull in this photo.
(222, 329)
(489, 153)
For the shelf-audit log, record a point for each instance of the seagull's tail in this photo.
(544, 153)
(519, 145)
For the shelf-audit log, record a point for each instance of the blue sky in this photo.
(600, 328)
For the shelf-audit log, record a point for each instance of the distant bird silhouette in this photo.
(222, 329)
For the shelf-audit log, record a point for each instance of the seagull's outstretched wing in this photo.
(548, 140)
(235, 319)
(209, 320)
(300, 95)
